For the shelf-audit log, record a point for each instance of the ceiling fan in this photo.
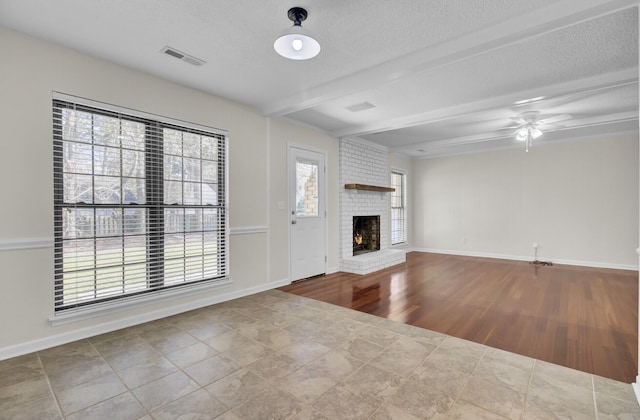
(531, 125)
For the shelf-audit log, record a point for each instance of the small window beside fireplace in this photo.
(366, 234)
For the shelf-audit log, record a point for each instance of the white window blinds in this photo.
(398, 214)
(140, 203)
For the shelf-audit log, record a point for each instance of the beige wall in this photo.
(577, 199)
(31, 70)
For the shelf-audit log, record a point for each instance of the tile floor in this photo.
(278, 356)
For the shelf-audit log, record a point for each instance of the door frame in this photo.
(324, 190)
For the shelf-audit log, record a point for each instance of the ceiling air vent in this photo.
(361, 107)
(182, 56)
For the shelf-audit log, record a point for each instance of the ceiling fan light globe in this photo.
(535, 133)
(522, 134)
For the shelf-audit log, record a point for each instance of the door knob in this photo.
(293, 222)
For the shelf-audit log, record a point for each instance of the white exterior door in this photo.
(307, 213)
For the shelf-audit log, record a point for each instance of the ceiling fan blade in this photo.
(512, 130)
(554, 119)
(550, 127)
(519, 120)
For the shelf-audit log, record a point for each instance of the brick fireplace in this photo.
(362, 162)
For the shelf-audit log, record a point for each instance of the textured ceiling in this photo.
(443, 75)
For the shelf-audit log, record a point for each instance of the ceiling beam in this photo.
(579, 86)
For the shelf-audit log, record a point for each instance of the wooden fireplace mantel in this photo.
(368, 188)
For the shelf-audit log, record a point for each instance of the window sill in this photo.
(399, 245)
(78, 314)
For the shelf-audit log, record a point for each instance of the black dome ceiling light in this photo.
(296, 43)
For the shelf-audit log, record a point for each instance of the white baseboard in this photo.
(68, 337)
(524, 258)
(332, 270)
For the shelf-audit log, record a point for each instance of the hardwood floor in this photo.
(579, 317)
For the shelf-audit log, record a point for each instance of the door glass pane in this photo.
(306, 188)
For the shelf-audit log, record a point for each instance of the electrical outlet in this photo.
(535, 245)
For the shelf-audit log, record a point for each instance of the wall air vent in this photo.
(182, 56)
(361, 107)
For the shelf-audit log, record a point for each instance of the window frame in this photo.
(154, 206)
(402, 208)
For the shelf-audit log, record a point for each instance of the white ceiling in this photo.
(444, 75)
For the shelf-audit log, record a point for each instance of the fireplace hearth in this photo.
(366, 234)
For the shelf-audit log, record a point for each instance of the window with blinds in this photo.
(140, 203)
(398, 213)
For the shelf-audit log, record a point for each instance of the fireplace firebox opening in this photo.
(366, 234)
